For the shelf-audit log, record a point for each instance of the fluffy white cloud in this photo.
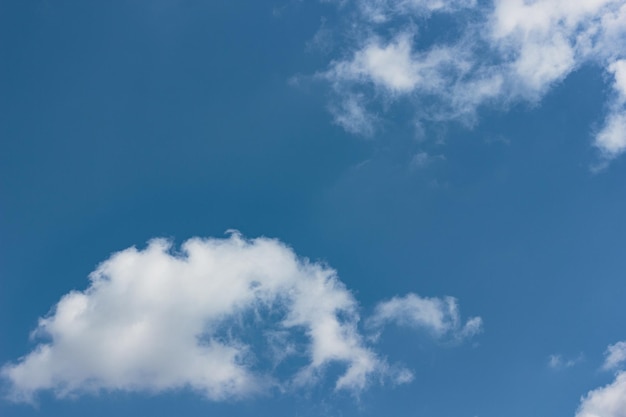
(607, 401)
(225, 317)
(155, 319)
(394, 67)
(505, 51)
(615, 356)
(390, 66)
(440, 316)
(610, 400)
(611, 139)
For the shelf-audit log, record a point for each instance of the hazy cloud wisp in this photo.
(503, 52)
(615, 356)
(440, 316)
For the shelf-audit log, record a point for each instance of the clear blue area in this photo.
(125, 120)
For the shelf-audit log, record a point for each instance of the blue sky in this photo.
(304, 208)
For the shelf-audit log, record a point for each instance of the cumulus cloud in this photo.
(610, 400)
(615, 356)
(227, 318)
(498, 53)
(440, 316)
(607, 401)
(155, 319)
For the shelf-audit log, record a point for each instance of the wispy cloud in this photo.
(499, 53)
(611, 138)
(615, 356)
(227, 318)
(439, 316)
(423, 159)
(352, 115)
(557, 361)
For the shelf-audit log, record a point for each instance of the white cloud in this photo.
(610, 400)
(615, 356)
(557, 361)
(155, 319)
(440, 316)
(352, 115)
(618, 69)
(504, 52)
(611, 138)
(390, 65)
(382, 10)
(394, 67)
(611, 32)
(607, 401)
(227, 318)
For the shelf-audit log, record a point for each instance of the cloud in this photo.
(352, 115)
(610, 400)
(155, 319)
(615, 356)
(611, 138)
(390, 66)
(420, 160)
(557, 361)
(607, 401)
(227, 318)
(381, 11)
(423, 159)
(439, 316)
(495, 54)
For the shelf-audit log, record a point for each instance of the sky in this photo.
(336, 208)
